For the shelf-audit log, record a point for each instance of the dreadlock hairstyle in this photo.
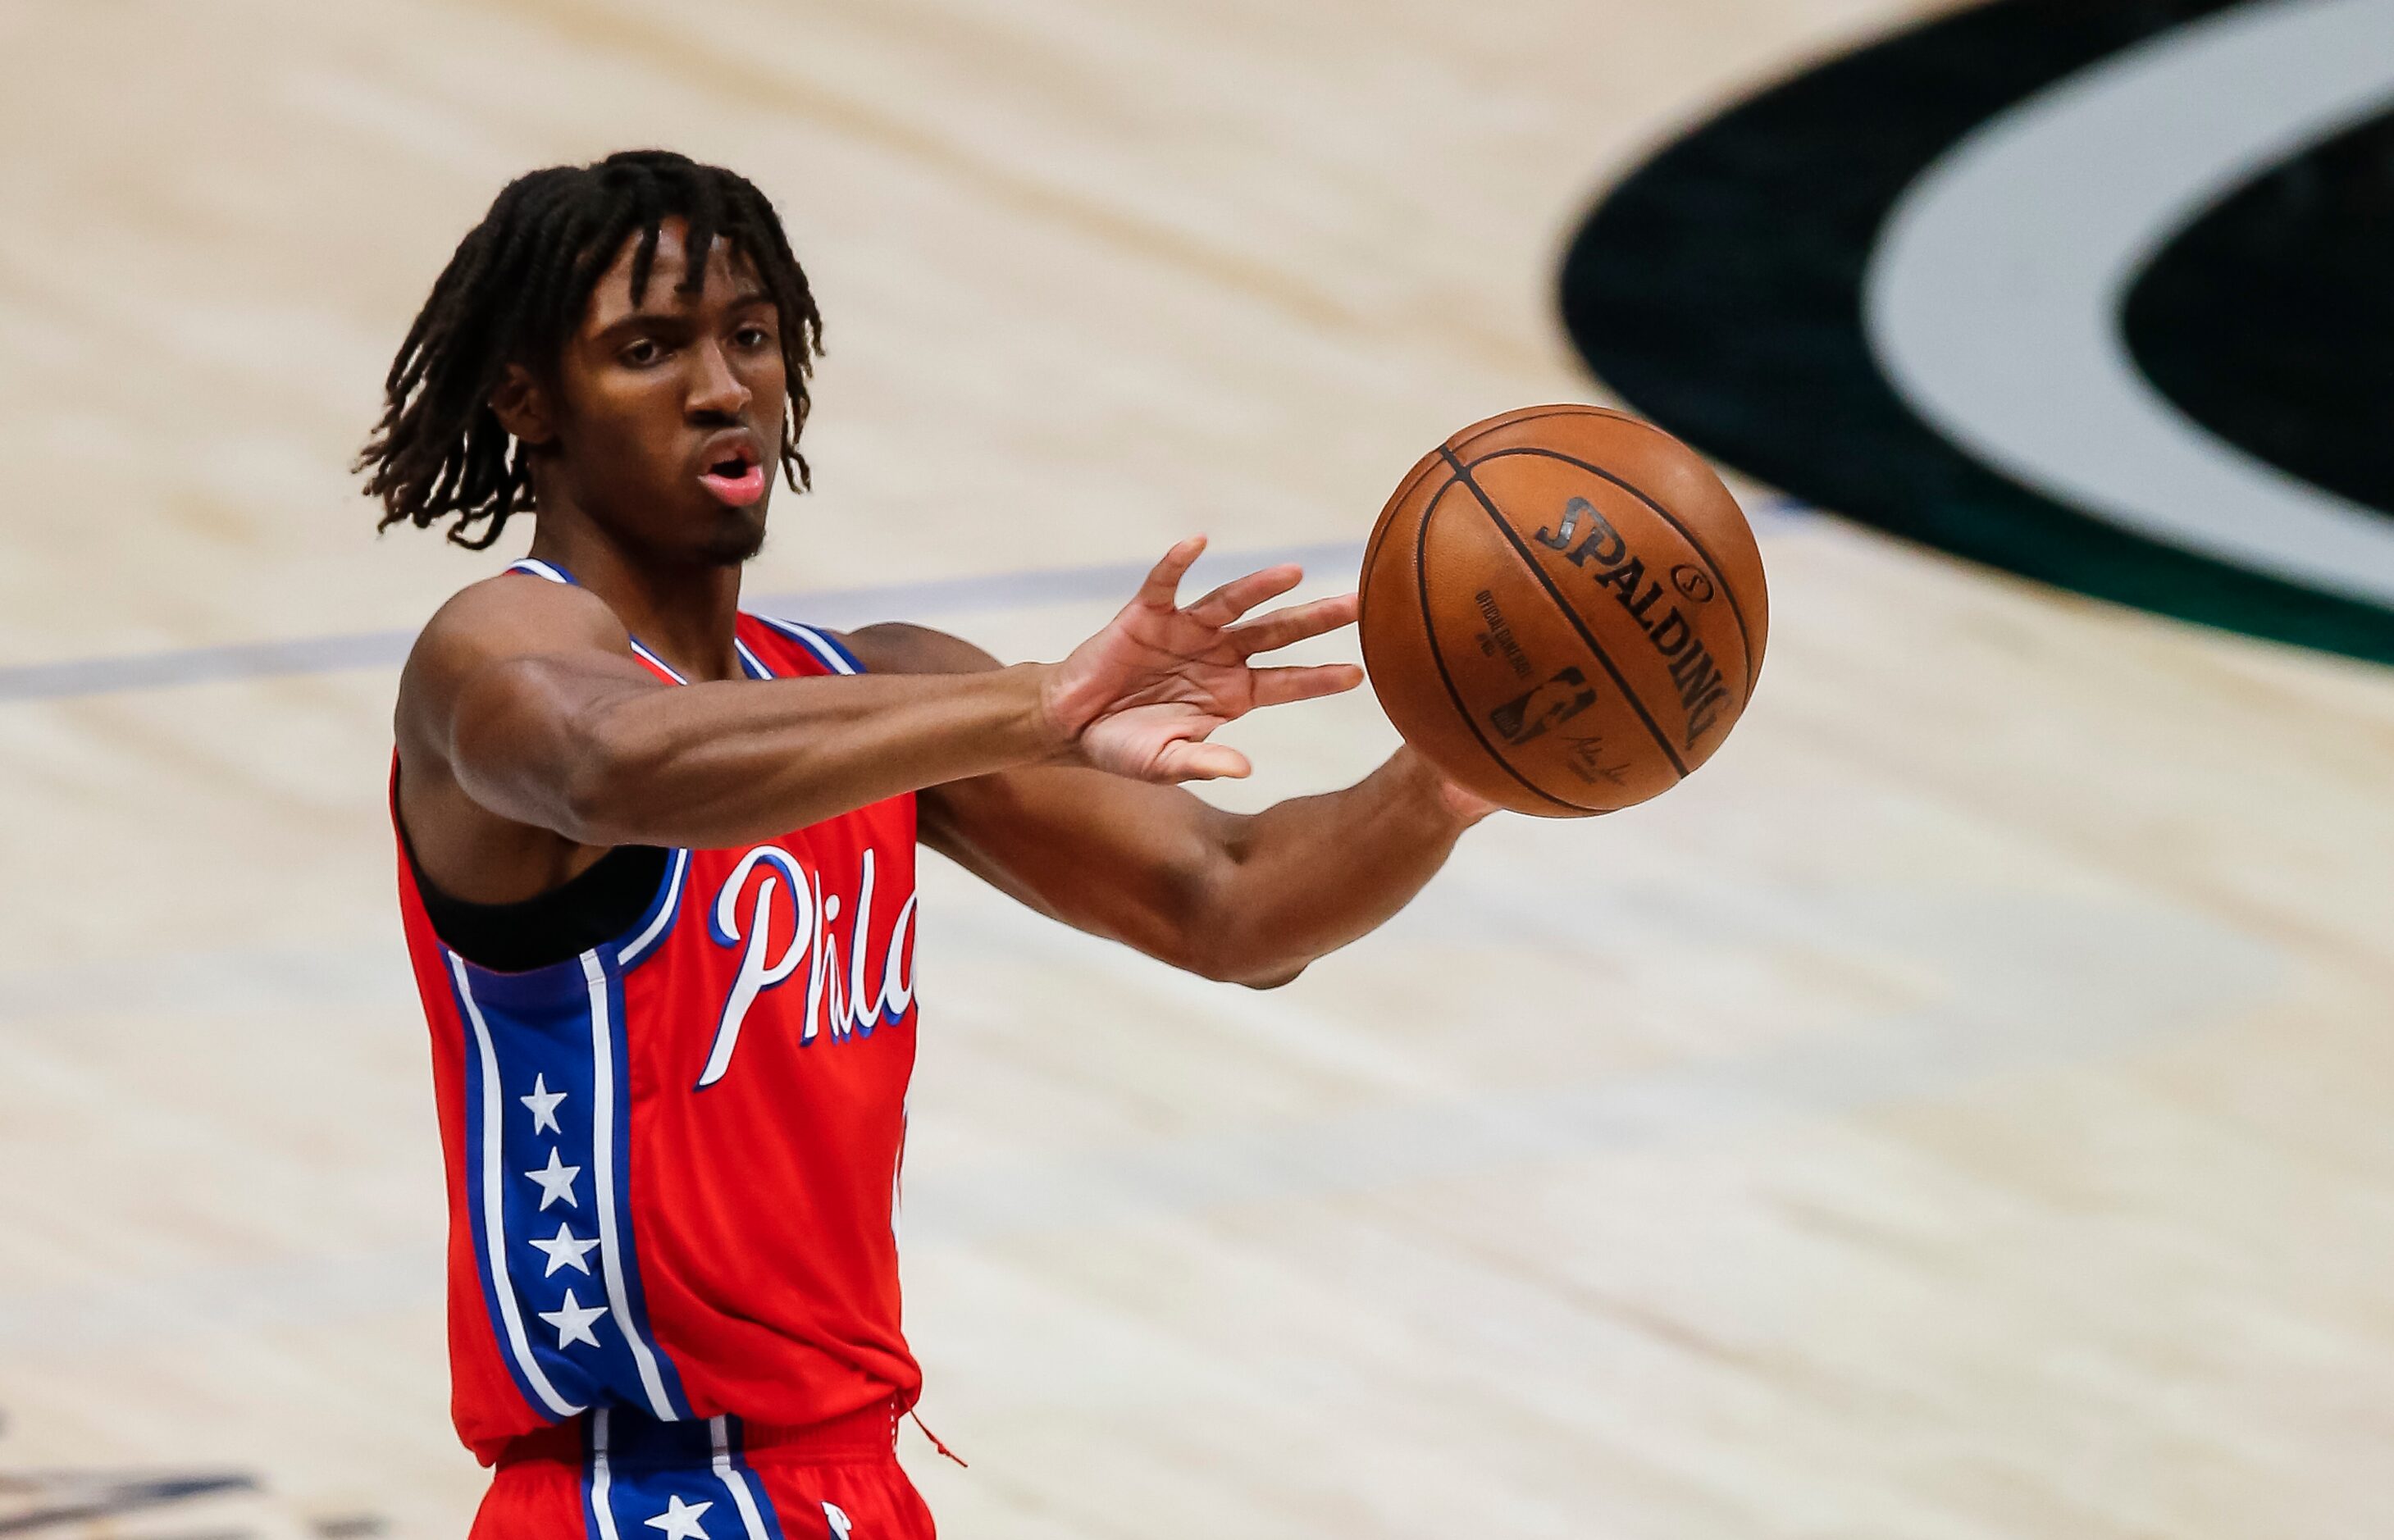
(514, 291)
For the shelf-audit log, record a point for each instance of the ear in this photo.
(522, 406)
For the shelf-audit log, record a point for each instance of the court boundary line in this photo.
(171, 668)
(74, 679)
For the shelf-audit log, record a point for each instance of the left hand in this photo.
(1141, 697)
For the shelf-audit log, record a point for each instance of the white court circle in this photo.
(1993, 297)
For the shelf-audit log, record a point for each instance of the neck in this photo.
(683, 612)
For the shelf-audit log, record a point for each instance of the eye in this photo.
(642, 352)
(752, 335)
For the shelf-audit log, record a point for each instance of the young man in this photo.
(657, 864)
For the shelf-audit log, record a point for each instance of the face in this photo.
(663, 420)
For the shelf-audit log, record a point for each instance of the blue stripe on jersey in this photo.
(550, 1150)
(680, 1478)
(833, 653)
(485, 1123)
(612, 1142)
(748, 1495)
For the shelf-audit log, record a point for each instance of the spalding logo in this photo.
(1702, 691)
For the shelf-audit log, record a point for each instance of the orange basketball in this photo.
(1564, 609)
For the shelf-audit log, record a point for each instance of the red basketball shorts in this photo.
(616, 1475)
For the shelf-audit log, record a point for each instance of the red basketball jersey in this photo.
(673, 1160)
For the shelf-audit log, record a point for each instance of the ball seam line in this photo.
(1478, 431)
(1429, 635)
(1462, 474)
(1719, 572)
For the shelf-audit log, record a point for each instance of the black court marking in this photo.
(1720, 575)
(1464, 475)
(2270, 318)
(1429, 633)
(1717, 290)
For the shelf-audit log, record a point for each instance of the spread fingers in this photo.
(1297, 623)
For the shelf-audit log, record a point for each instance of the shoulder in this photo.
(499, 620)
(513, 615)
(897, 648)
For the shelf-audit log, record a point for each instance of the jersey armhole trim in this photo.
(829, 652)
(533, 567)
(659, 922)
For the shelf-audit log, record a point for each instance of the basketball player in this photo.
(657, 865)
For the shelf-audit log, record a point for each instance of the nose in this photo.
(716, 390)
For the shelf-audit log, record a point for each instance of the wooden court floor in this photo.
(1963, 1112)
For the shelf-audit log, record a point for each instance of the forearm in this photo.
(1304, 877)
(714, 765)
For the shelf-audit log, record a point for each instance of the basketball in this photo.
(1563, 608)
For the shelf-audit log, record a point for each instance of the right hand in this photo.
(1141, 697)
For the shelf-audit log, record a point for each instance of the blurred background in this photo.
(1959, 1113)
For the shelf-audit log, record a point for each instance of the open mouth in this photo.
(736, 479)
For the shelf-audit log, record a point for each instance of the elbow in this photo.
(1246, 964)
(1271, 978)
(1218, 938)
(601, 795)
(593, 803)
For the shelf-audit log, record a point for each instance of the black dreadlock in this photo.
(516, 289)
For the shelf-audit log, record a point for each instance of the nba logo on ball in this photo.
(1564, 609)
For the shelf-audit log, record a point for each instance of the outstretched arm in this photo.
(523, 705)
(1248, 899)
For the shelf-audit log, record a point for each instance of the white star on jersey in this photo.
(572, 1321)
(543, 1102)
(679, 1520)
(565, 1249)
(555, 1181)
